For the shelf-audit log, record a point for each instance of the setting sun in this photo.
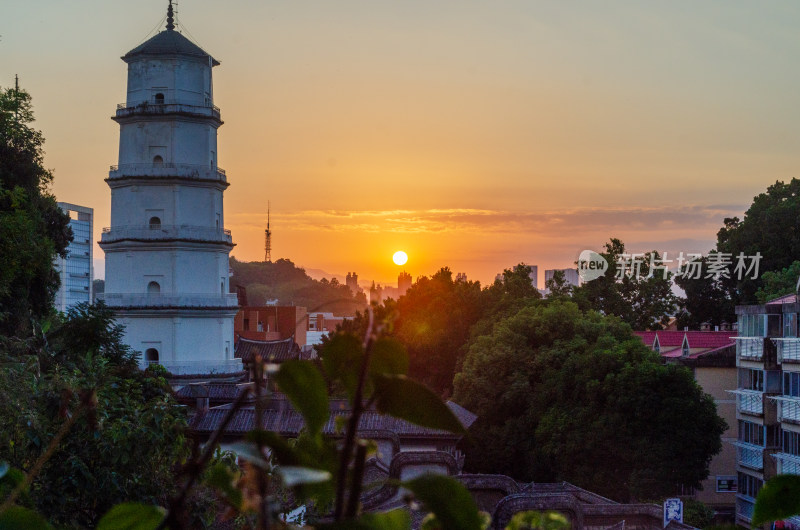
(400, 257)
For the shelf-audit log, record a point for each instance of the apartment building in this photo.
(76, 271)
(767, 399)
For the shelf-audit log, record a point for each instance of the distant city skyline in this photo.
(472, 135)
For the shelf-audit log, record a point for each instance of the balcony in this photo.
(165, 170)
(167, 107)
(744, 508)
(788, 464)
(788, 350)
(788, 408)
(163, 300)
(224, 366)
(165, 232)
(749, 348)
(749, 455)
(749, 401)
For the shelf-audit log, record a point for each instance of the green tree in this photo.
(32, 227)
(128, 433)
(778, 283)
(559, 391)
(643, 300)
(707, 300)
(770, 227)
(558, 286)
(433, 322)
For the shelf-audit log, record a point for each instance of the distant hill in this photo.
(291, 285)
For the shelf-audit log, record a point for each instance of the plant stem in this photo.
(352, 424)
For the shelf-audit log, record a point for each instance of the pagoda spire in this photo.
(170, 18)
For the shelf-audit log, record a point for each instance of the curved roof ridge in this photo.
(169, 42)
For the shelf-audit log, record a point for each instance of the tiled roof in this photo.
(670, 338)
(168, 42)
(710, 339)
(288, 422)
(785, 299)
(224, 392)
(269, 350)
(671, 342)
(648, 337)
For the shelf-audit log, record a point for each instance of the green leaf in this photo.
(778, 499)
(449, 501)
(392, 520)
(296, 475)
(221, 478)
(388, 357)
(281, 450)
(538, 520)
(250, 452)
(342, 358)
(305, 387)
(406, 399)
(132, 516)
(19, 518)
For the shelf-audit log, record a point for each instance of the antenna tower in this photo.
(268, 240)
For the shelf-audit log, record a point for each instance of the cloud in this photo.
(556, 223)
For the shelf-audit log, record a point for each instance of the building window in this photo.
(222, 288)
(748, 485)
(791, 384)
(247, 324)
(790, 325)
(158, 161)
(159, 98)
(726, 484)
(260, 326)
(751, 433)
(751, 379)
(155, 223)
(153, 288)
(151, 355)
(791, 443)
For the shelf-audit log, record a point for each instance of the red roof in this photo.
(671, 342)
(710, 339)
(648, 337)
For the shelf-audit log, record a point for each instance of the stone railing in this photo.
(198, 367)
(156, 232)
(167, 107)
(188, 300)
(190, 171)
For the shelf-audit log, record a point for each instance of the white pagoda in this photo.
(167, 247)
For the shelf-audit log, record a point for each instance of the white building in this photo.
(167, 247)
(75, 271)
(570, 275)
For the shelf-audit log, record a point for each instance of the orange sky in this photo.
(470, 134)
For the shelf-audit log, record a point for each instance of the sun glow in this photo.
(400, 257)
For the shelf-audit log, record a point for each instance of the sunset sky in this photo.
(471, 134)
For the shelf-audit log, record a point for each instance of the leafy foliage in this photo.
(558, 391)
(778, 499)
(33, 230)
(642, 302)
(290, 285)
(778, 283)
(128, 436)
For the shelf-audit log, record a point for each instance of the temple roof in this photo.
(169, 42)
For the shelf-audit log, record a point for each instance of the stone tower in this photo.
(167, 247)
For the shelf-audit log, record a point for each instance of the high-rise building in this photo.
(76, 271)
(167, 248)
(534, 276)
(352, 282)
(570, 275)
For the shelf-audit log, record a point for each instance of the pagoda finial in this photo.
(170, 19)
